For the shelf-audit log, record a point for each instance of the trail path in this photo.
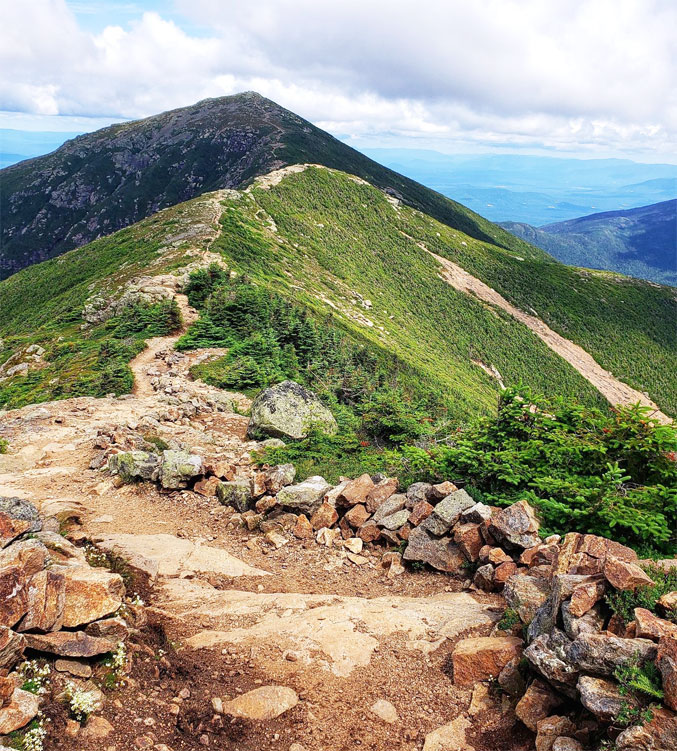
(615, 391)
(238, 612)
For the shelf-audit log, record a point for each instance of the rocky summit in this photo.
(276, 473)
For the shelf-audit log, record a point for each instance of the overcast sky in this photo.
(574, 77)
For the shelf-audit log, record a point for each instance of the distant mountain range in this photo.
(533, 189)
(640, 242)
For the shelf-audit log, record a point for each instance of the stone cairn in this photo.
(559, 661)
(54, 607)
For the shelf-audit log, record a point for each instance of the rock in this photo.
(325, 516)
(265, 504)
(602, 697)
(327, 537)
(236, 493)
(369, 532)
(135, 465)
(525, 594)
(96, 728)
(358, 560)
(625, 576)
(356, 491)
(447, 512)
(353, 544)
(61, 550)
(395, 521)
(357, 516)
(566, 744)
(69, 644)
(469, 539)
(303, 529)
(178, 468)
(265, 703)
(650, 626)
(7, 687)
(13, 595)
(29, 555)
(585, 596)
(90, 594)
(515, 526)
(385, 711)
(586, 554)
(395, 567)
(22, 708)
(668, 603)
(442, 554)
(207, 486)
(420, 512)
(46, 601)
(116, 627)
(380, 493)
(441, 490)
(658, 734)
(484, 578)
(12, 646)
(306, 497)
(450, 737)
(480, 658)
(511, 680)
(276, 539)
(551, 728)
(11, 528)
(288, 410)
(600, 654)
(548, 654)
(18, 508)
(78, 668)
(419, 491)
(666, 662)
(279, 477)
(394, 504)
(477, 514)
(536, 704)
(592, 622)
(503, 572)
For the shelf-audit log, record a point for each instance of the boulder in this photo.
(536, 704)
(46, 601)
(11, 528)
(369, 532)
(395, 521)
(29, 555)
(592, 622)
(469, 539)
(357, 516)
(447, 512)
(395, 503)
(586, 554)
(602, 697)
(440, 491)
(22, 708)
(551, 728)
(477, 514)
(440, 553)
(658, 734)
(324, 516)
(303, 529)
(650, 626)
(624, 575)
(13, 595)
(61, 550)
(480, 658)
(419, 491)
(511, 680)
(548, 654)
(69, 644)
(135, 465)
(420, 512)
(304, 498)
(667, 664)
(264, 703)
(585, 596)
(356, 491)
(484, 578)
(600, 654)
(207, 486)
(279, 477)
(288, 410)
(18, 508)
(526, 594)
(564, 743)
(236, 493)
(90, 594)
(179, 468)
(515, 526)
(667, 603)
(380, 493)
(12, 646)
(451, 736)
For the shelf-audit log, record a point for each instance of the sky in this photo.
(592, 78)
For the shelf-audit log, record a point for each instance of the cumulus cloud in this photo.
(567, 74)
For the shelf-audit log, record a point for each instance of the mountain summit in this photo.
(101, 182)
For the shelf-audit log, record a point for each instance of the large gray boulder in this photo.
(135, 465)
(18, 508)
(304, 498)
(288, 410)
(178, 468)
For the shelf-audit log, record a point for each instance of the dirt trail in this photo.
(615, 391)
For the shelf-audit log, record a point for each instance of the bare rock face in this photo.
(288, 410)
(29, 555)
(591, 622)
(46, 601)
(22, 708)
(13, 595)
(586, 554)
(480, 658)
(650, 626)
(515, 526)
(602, 697)
(380, 493)
(265, 703)
(548, 654)
(11, 528)
(11, 647)
(440, 553)
(90, 594)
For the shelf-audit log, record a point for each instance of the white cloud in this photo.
(575, 75)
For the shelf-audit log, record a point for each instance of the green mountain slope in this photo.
(348, 256)
(639, 242)
(100, 182)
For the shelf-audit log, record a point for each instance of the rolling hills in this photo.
(640, 242)
(100, 182)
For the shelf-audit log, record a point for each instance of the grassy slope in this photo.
(336, 238)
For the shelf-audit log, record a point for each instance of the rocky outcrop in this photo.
(288, 410)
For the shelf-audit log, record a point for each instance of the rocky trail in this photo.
(366, 656)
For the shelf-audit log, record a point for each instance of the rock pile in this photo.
(53, 602)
